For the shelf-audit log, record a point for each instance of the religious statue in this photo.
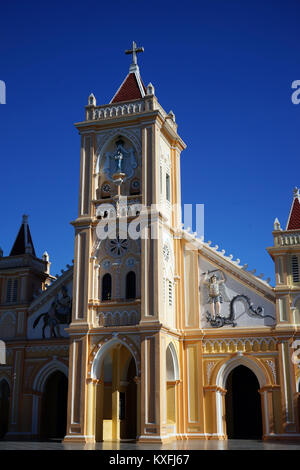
(120, 160)
(216, 293)
(119, 157)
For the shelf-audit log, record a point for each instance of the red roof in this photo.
(294, 219)
(129, 90)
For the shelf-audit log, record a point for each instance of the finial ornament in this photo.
(296, 192)
(277, 224)
(134, 66)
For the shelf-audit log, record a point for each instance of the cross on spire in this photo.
(134, 67)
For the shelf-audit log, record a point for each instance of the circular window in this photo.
(118, 247)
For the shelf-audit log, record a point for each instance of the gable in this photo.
(239, 301)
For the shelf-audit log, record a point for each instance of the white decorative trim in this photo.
(223, 374)
(266, 409)
(209, 368)
(272, 366)
(46, 371)
(243, 341)
(99, 356)
(234, 362)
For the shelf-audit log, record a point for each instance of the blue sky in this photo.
(224, 67)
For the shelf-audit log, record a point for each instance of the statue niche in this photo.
(118, 158)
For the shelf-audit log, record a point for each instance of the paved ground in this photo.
(177, 445)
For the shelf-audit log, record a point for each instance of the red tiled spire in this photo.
(294, 217)
(132, 88)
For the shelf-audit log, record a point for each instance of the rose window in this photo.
(118, 247)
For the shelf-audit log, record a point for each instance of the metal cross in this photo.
(134, 51)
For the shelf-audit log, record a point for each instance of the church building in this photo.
(152, 334)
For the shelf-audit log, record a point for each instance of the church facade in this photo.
(152, 334)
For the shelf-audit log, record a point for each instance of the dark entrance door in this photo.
(4, 407)
(54, 406)
(128, 414)
(243, 405)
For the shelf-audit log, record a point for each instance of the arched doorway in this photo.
(4, 407)
(243, 405)
(128, 408)
(116, 394)
(54, 406)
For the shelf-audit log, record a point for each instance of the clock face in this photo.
(135, 184)
(106, 188)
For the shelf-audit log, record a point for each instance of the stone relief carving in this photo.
(215, 291)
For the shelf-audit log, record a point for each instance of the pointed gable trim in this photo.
(132, 88)
(294, 217)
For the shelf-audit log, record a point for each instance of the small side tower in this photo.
(22, 274)
(286, 255)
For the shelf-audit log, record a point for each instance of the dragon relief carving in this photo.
(217, 294)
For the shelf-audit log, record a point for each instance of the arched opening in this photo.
(54, 406)
(116, 396)
(243, 405)
(130, 285)
(4, 407)
(172, 370)
(106, 287)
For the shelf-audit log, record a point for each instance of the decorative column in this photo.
(194, 390)
(215, 412)
(99, 410)
(152, 389)
(77, 391)
(16, 392)
(137, 381)
(287, 386)
(267, 394)
(36, 412)
(116, 394)
(90, 409)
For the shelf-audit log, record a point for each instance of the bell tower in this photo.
(125, 268)
(286, 256)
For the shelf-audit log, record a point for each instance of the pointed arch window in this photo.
(106, 287)
(131, 285)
